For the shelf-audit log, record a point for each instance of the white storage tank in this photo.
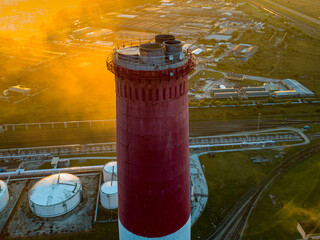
(55, 195)
(4, 195)
(110, 172)
(109, 195)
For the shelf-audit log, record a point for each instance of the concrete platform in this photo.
(15, 189)
(25, 224)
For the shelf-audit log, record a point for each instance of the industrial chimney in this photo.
(153, 139)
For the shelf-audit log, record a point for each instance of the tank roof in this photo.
(54, 189)
(110, 167)
(110, 187)
(3, 188)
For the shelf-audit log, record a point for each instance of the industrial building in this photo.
(110, 171)
(153, 156)
(197, 51)
(55, 195)
(109, 195)
(4, 195)
(251, 89)
(226, 32)
(244, 50)
(219, 37)
(309, 230)
(17, 91)
(271, 86)
(234, 76)
(257, 94)
(224, 95)
(220, 90)
(298, 87)
(285, 94)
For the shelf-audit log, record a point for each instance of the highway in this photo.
(306, 17)
(295, 18)
(84, 135)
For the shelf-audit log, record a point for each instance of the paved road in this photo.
(261, 79)
(311, 19)
(308, 28)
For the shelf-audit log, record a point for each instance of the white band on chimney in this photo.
(183, 233)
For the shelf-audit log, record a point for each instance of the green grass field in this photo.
(308, 111)
(298, 192)
(229, 176)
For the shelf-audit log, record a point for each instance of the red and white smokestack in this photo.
(153, 139)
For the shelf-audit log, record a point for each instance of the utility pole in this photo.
(259, 117)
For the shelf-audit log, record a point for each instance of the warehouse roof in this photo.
(197, 51)
(126, 16)
(284, 93)
(219, 37)
(298, 87)
(226, 31)
(225, 93)
(19, 89)
(231, 74)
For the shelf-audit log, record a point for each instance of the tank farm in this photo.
(153, 138)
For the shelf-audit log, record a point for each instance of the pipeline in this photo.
(20, 173)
